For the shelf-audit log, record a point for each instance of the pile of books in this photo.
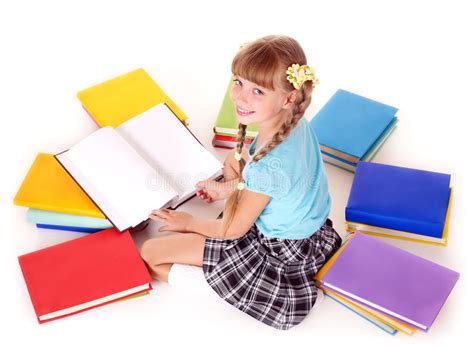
(106, 185)
(351, 128)
(400, 202)
(390, 287)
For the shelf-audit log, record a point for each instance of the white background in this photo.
(413, 55)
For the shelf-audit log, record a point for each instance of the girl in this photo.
(275, 234)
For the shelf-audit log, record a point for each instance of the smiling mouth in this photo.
(243, 112)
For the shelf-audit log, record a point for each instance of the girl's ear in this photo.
(290, 100)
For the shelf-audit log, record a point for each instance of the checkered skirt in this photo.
(271, 279)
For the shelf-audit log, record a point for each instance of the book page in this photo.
(177, 156)
(116, 177)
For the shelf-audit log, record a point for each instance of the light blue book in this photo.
(349, 126)
(375, 321)
(332, 159)
(65, 219)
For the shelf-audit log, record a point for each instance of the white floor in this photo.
(412, 56)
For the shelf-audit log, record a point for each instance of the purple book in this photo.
(391, 280)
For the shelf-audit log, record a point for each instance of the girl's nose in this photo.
(241, 95)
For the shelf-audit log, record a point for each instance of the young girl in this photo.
(275, 234)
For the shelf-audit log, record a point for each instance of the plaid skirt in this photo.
(271, 279)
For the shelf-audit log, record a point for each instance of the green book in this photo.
(135, 296)
(56, 218)
(226, 123)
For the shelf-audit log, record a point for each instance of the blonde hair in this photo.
(263, 62)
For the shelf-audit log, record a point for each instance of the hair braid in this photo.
(231, 204)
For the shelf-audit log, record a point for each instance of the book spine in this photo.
(67, 228)
(389, 222)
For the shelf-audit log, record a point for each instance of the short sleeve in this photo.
(263, 177)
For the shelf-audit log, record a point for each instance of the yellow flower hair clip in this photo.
(297, 75)
(240, 186)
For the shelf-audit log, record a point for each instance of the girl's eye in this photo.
(237, 82)
(258, 92)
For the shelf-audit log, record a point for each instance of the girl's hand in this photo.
(210, 190)
(173, 220)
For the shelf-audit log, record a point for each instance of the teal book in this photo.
(349, 125)
(43, 217)
(369, 155)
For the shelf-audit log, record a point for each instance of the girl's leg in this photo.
(161, 253)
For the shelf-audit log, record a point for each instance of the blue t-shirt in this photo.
(293, 175)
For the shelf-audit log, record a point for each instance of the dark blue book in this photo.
(399, 202)
(68, 228)
(349, 127)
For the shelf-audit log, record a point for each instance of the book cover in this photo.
(402, 235)
(349, 124)
(117, 100)
(368, 312)
(226, 122)
(83, 273)
(47, 186)
(399, 198)
(66, 219)
(390, 280)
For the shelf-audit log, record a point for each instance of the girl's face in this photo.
(255, 104)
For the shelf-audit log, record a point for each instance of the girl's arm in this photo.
(249, 208)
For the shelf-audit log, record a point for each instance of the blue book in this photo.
(67, 228)
(349, 125)
(399, 202)
(350, 166)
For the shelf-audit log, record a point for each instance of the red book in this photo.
(80, 274)
(228, 142)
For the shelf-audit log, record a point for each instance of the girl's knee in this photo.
(149, 250)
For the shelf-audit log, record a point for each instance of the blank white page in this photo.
(116, 177)
(162, 139)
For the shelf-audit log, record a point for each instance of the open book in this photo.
(150, 161)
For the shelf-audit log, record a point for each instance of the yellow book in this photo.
(47, 186)
(121, 98)
(402, 235)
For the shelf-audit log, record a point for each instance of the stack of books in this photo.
(55, 200)
(390, 287)
(226, 125)
(400, 202)
(143, 157)
(351, 128)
